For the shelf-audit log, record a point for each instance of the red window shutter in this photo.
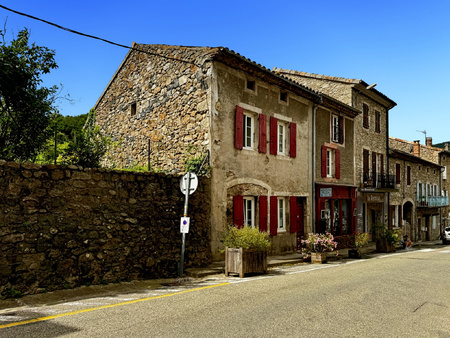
(239, 128)
(262, 147)
(293, 140)
(341, 129)
(382, 163)
(238, 211)
(273, 135)
(273, 215)
(293, 211)
(324, 161)
(337, 163)
(263, 213)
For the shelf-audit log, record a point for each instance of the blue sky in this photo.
(403, 46)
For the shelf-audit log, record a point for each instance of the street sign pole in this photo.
(183, 240)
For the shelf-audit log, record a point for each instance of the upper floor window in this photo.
(337, 133)
(133, 109)
(249, 131)
(408, 175)
(331, 166)
(251, 85)
(397, 172)
(377, 121)
(365, 115)
(281, 138)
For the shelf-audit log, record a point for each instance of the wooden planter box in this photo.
(354, 253)
(318, 257)
(383, 246)
(240, 261)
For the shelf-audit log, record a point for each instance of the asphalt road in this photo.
(397, 295)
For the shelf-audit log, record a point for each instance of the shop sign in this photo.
(326, 192)
(375, 198)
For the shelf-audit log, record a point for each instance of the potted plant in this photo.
(360, 241)
(318, 245)
(385, 238)
(245, 250)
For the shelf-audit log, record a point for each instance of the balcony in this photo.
(377, 181)
(432, 201)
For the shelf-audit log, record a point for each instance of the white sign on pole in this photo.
(193, 184)
(184, 225)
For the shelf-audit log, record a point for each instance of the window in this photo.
(337, 132)
(249, 131)
(377, 121)
(281, 138)
(249, 211)
(330, 162)
(365, 115)
(408, 175)
(133, 109)
(397, 173)
(251, 85)
(281, 212)
(331, 165)
(283, 96)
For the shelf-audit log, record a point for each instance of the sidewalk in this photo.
(295, 258)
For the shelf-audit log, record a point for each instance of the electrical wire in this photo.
(96, 37)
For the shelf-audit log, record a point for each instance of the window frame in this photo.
(249, 207)
(283, 150)
(330, 164)
(281, 214)
(251, 117)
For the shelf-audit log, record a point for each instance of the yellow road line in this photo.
(41, 319)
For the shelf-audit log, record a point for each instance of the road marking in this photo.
(41, 319)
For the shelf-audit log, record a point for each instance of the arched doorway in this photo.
(407, 220)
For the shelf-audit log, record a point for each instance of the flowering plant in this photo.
(361, 239)
(319, 243)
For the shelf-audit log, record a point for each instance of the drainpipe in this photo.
(313, 165)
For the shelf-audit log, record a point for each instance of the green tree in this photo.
(25, 106)
(89, 147)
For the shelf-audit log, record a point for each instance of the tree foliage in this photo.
(89, 147)
(25, 105)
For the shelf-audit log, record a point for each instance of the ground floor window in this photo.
(281, 212)
(335, 217)
(249, 211)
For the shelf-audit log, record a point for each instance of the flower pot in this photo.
(318, 257)
(240, 261)
(384, 246)
(354, 253)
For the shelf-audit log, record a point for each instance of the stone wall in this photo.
(170, 94)
(69, 226)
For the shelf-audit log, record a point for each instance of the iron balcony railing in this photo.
(378, 181)
(432, 201)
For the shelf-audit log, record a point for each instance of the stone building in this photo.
(421, 204)
(166, 103)
(335, 186)
(370, 140)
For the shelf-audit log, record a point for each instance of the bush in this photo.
(247, 238)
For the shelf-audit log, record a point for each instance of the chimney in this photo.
(429, 141)
(446, 146)
(416, 148)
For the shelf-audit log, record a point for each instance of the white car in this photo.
(446, 236)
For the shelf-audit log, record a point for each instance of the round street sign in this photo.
(193, 183)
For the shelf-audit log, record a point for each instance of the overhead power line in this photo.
(95, 37)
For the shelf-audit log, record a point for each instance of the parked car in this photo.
(446, 236)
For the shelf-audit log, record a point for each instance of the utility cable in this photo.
(96, 37)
